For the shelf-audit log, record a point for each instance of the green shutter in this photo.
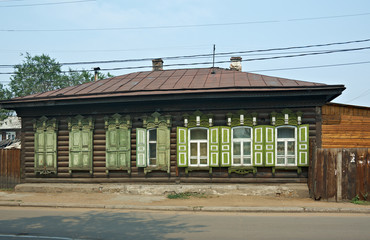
(45, 148)
(75, 148)
(213, 146)
(39, 149)
(258, 145)
(269, 132)
(111, 148)
(124, 147)
(86, 148)
(182, 147)
(163, 147)
(140, 147)
(225, 146)
(80, 154)
(118, 148)
(303, 145)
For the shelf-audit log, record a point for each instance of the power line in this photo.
(183, 26)
(363, 94)
(315, 66)
(43, 4)
(217, 54)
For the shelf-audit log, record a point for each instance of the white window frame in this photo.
(198, 146)
(10, 135)
(148, 148)
(286, 140)
(241, 140)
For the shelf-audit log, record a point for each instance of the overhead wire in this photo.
(184, 26)
(43, 4)
(209, 55)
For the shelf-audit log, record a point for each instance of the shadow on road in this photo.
(98, 225)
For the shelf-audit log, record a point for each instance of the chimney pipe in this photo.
(236, 63)
(157, 64)
(96, 71)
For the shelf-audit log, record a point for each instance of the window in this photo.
(242, 146)
(286, 146)
(152, 147)
(80, 144)
(45, 143)
(118, 143)
(198, 147)
(10, 135)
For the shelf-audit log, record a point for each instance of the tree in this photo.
(42, 73)
(4, 95)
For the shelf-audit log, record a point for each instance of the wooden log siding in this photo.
(137, 174)
(345, 126)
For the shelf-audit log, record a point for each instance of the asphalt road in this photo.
(64, 224)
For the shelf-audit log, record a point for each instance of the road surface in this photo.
(65, 224)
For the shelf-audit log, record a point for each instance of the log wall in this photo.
(137, 174)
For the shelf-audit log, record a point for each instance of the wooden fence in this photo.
(10, 172)
(337, 174)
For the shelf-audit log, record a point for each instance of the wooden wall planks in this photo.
(345, 126)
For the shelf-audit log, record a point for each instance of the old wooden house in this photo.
(184, 125)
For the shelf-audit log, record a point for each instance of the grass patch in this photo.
(356, 200)
(7, 189)
(186, 195)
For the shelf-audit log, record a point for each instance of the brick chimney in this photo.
(236, 63)
(157, 64)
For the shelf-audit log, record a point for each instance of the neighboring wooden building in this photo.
(10, 128)
(185, 125)
(345, 126)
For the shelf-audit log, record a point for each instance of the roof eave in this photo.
(330, 91)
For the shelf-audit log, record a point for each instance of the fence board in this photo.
(338, 173)
(9, 168)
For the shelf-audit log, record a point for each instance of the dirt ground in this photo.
(141, 200)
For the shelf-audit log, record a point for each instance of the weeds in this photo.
(185, 195)
(6, 189)
(356, 200)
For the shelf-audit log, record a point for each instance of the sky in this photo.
(75, 31)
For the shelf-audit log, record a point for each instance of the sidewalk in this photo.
(229, 202)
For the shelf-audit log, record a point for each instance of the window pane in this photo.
(203, 161)
(198, 134)
(153, 135)
(241, 133)
(280, 148)
(236, 160)
(291, 160)
(193, 149)
(247, 160)
(236, 147)
(280, 161)
(152, 161)
(193, 161)
(291, 148)
(285, 132)
(247, 149)
(152, 150)
(203, 149)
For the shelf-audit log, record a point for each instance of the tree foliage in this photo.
(42, 73)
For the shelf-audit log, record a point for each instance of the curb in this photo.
(194, 209)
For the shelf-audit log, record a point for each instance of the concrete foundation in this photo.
(299, 190)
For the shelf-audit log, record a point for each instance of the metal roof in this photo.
(179, 81)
